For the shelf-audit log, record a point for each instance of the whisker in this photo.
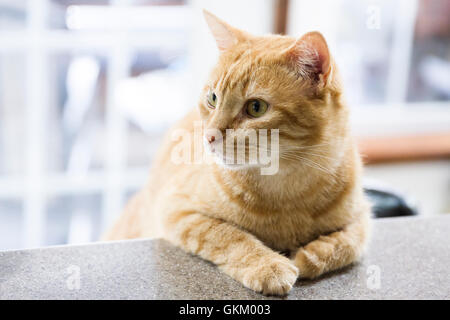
(310, 154)
(310, 163)
(308, 147)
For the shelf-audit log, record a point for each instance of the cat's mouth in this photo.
(226, 163)
(220, 157)
(231, 162)
(247, 157)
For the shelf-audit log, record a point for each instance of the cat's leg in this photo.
(236, 252)
(332, 251)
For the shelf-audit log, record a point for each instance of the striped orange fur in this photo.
(313, 207)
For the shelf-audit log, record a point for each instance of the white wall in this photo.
(320, 15)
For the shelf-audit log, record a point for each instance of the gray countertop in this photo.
(408, 258)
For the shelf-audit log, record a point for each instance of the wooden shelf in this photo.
(405, 148)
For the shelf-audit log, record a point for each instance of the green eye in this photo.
(212, 99)
(256, 108)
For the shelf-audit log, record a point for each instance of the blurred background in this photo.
(87, 88)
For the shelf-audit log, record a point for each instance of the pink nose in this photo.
(210, 138)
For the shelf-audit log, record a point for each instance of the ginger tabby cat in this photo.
(313, 207)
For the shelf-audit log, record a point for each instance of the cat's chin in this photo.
(234, 166)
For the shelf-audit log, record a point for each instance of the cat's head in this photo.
(270, 82)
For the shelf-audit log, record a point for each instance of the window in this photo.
(74, 89)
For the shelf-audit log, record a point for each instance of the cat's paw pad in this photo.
(274, 277)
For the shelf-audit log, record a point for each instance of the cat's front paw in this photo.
(272, 277)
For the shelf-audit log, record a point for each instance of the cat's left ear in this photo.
(311, 56)
(226, 36)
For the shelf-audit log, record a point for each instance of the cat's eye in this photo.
(256, 108)
(212, 99)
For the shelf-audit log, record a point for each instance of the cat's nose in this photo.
(210, 138)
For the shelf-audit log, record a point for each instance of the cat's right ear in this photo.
(226, 36)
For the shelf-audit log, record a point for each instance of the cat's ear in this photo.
(226, 36)
(311, 57)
